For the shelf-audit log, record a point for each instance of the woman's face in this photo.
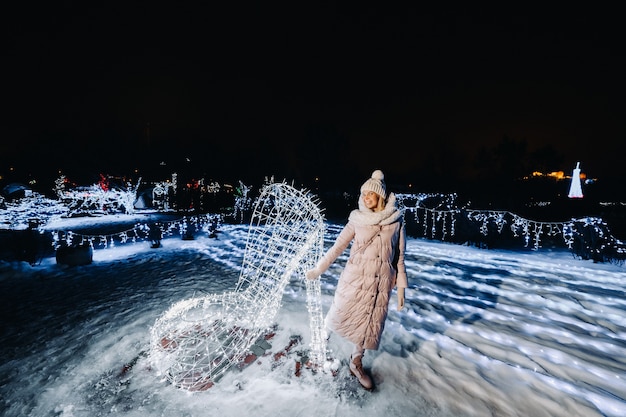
(370, 198)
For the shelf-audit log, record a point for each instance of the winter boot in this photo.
(356, 369)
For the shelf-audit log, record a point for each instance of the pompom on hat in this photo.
(376, 184)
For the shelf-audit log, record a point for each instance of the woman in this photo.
(374, 268)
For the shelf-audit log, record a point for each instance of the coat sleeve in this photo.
(401, 278)
(340, 245)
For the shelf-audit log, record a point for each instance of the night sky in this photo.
(241, 91)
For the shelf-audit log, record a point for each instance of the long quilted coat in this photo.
(374, 268)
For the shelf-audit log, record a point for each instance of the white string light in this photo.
(96, 197)
(139, 232)
(528, 229)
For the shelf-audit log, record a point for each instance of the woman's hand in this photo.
(400, 299)
(312, 274)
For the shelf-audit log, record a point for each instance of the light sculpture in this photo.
(575, 189)
(97, 197)
(198, 339)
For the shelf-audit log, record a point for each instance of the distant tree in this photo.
(449, 164)
(545, 159)
(511, 158)
(324, 151)
(484, 163)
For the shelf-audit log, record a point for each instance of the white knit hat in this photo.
(376, 184)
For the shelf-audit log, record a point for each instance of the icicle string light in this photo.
(445, 221)
(139, 232)
(444, 215)
(197, 340)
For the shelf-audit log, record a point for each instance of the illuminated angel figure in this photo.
(198, 339)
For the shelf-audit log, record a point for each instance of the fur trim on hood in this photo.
(366, 217)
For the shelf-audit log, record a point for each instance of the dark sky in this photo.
(301, 90)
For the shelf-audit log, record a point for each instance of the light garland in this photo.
(197, 340)
(140, 232)
(444, 216)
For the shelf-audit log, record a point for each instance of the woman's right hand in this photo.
(312, 274)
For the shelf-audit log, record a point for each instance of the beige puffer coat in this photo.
(361, 302)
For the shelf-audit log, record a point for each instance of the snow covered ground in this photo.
(484, 333)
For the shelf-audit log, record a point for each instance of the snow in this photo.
(483, 333)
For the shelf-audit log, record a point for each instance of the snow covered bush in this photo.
(35, 208)
(590, 238)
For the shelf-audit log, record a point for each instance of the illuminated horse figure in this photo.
(197, 340)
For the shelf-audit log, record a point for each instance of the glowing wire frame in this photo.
(197, 340)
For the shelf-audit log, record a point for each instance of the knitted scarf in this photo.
(366, 217)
